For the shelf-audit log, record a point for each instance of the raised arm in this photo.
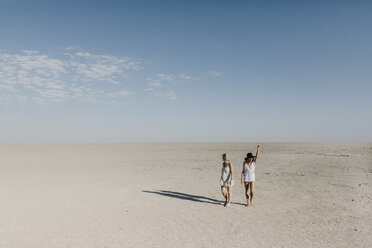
(258, 150)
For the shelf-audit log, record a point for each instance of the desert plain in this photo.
(168, 195)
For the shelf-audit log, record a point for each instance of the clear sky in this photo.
(185, 71)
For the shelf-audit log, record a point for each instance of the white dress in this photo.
(226, 176)
(249, 175)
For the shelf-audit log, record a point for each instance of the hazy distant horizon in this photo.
(188, 142)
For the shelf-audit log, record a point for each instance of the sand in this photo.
(168, 195)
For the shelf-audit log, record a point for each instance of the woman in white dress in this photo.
(227, 179)
(248, 175)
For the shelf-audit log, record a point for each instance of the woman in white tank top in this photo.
(249, 176)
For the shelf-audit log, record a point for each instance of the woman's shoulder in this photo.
(227, 163)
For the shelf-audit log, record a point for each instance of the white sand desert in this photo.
(168, 195)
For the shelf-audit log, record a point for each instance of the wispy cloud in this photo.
(171, 95)
(162, 84)
(31, 76)
(184, 76)
(77, 75)
(33, 72)
(161, 77)
(165, 77)
(122, 93)
(155, 84)
(215, 73)
(108, 68)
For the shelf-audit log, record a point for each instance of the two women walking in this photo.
(247, 177)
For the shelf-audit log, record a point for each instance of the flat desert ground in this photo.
(168, 195)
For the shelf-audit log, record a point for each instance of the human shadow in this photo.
(188, 197)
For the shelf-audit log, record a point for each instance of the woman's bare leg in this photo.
(223, 190)
(252, 191)
(246, 185)
(228, 196)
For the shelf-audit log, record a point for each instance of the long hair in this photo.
(246, 160)
(225, 157)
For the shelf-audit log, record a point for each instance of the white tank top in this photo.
(249, 175)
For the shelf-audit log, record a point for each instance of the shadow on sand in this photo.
(188, 197)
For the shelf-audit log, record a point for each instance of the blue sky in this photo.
(185, 71)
